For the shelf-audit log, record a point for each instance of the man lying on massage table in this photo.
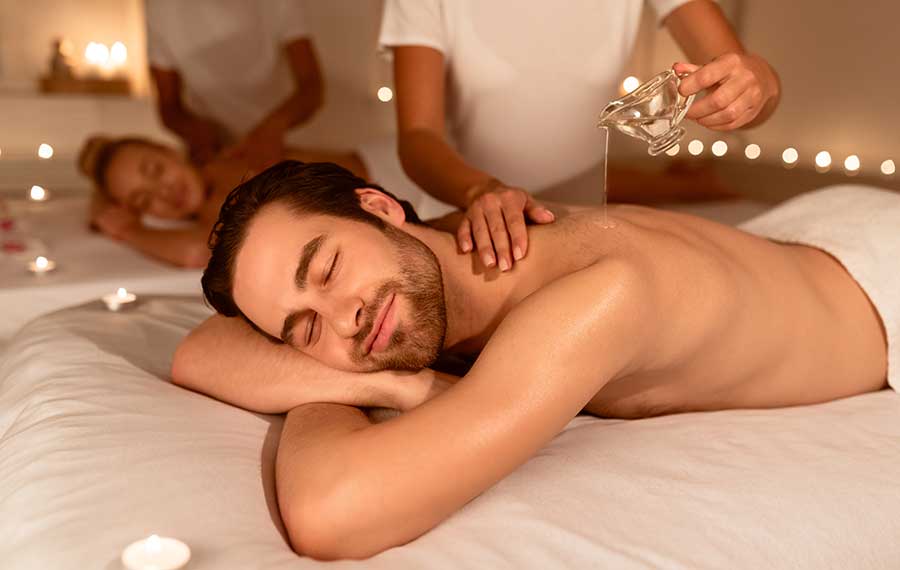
(663, 313)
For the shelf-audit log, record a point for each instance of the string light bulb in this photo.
(888, 168)
(719, 148)
(752, 151)
(790, 156)
(851, 164)
(674, 150)
(45, 151)
(695, 147)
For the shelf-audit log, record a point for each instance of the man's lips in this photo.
(376, 327)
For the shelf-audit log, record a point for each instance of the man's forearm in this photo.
(226, 359)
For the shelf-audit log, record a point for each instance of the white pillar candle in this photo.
(41, 265)
(121, 298)
(156, 553)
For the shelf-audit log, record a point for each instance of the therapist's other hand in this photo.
(261, 148)
(495, 223)
(115, 221)
(738, 87)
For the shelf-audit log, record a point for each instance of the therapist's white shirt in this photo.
(229, 53)
(526, 78)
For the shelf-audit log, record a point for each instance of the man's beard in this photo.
(415, 344)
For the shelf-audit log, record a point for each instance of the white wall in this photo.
(837, 60)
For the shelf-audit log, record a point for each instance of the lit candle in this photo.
(38, 194)
(121, 298)
(156, 553)
(41, 265)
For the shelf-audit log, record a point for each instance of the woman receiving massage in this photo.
(139, 181)
(344, 299)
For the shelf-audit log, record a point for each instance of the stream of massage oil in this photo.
(607, 223)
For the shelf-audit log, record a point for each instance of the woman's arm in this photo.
(349, 489)
(495, 212)
(743, 89)
(226, 359)
(264, 144)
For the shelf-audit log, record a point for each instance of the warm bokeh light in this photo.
(887, 167)
(695, 147)
(719, 148)
(118, 54)
(823, 161)
(45, 150)
(96, 53)
(385, 94)
(790, 156)
(37, 193)
(630, 84)
(41, 262)
(752, 151)
(674, 150)
(851, 164)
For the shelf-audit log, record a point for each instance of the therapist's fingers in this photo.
(496, 223)
(682, 68)
(708, 75)
(734, 112)
(515, 225)
(718, 100)
(482, 236)
(464, 235)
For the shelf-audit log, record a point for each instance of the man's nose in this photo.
(346, 316)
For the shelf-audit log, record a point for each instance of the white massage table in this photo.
(98, 449)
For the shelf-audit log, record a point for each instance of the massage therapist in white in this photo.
(516, 86)
(233, 75)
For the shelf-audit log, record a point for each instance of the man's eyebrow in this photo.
(309, 251)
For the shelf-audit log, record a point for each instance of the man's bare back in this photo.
(746, 322)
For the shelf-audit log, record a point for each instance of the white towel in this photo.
(860, 227)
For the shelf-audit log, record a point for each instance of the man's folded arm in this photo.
(226, 359)
(350, 489)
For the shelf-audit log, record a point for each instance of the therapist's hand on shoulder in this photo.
(738, 87)
(494, 223)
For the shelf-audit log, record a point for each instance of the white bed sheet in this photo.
(98, 449)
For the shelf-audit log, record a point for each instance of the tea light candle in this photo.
(41, 265)
(121, 298)
(156, 553)
(38, 194)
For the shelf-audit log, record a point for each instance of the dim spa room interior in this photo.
(640, 259)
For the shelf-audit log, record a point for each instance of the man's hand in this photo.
(261, 148)
(495, 221)
(203, 138)
(739, 86)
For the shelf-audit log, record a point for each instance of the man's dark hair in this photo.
(305, 188)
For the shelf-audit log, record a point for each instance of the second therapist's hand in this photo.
(738, 87)
(261, 148)
(494, 223)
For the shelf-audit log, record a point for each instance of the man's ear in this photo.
(380, 204)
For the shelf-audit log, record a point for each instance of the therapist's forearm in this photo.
(293, 111)
(436, 167)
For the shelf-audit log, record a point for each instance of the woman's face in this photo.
(154, 180)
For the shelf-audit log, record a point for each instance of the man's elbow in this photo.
(183, 370)
(328, 529)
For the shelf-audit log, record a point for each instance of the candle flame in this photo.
(121, 292)
(153, 544)
(41, 262)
